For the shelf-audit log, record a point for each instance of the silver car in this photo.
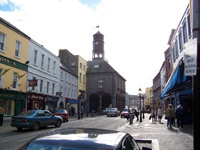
(113, 112)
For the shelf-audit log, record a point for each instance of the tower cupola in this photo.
(98, 46)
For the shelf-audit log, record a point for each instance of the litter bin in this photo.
(1, 119)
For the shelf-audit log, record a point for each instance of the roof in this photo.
(100, 66)
(66, 68)
(84, 138)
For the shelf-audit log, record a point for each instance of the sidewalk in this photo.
(163, 138)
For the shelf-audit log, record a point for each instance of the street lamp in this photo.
(79, 98)
(139, 92)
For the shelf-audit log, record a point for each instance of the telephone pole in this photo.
(195, 11)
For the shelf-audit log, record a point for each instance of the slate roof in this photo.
(66, 68)
(100, 66)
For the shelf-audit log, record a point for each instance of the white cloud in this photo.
(136, 32)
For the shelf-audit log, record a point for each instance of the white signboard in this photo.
(190, 57)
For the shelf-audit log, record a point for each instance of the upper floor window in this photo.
(42, 61)
(81, 65)
(84, 67)
(41, 85)
(2, 41)
(84, 79)
(185, 39)
(174, 53)
(189, 27)
(53, 88)
(180, 41)
(61, 75)
(47, 87)
(35, 56)
(54, 66)
(17, 48)
(48, 67)
(80, 77)
(176, 49)
(100, 84)
(15, 80)
(169, 63)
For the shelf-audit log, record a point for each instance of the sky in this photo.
(135, 32)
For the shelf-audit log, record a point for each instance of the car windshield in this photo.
(27, 113)
(61, 111)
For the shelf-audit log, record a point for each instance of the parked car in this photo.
(35, 119)
(125, 113)
(113, 112)
(62, 113)
(82, 139)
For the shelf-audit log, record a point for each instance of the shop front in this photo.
(51, 103)
(71, 106)
(12, 102)
(35, 101)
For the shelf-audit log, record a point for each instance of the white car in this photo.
(113, 112)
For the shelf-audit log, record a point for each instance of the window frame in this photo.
(3, 43)
(17, 48)
(35, 57)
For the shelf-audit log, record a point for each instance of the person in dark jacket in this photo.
(180, 116)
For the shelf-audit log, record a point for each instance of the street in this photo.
(162, 137)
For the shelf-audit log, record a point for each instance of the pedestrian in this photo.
(180, 116)
(159, 114)
(153, 114)
(169, 115)
(136, 113)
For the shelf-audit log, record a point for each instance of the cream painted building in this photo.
(14, 50)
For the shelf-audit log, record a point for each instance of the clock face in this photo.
(96, 43)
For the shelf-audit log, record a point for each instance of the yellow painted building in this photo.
(14, 49)
(148, 97)
(82, 68)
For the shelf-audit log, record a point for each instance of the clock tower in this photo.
(98, 46)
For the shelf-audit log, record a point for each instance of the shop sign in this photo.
(32, 82)
(36, 96)
(190, 57)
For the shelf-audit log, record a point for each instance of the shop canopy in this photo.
(176, 80)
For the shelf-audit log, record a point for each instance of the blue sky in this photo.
(136, 32)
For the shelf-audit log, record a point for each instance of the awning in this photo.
(176, 80)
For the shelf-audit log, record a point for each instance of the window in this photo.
(48, 67)
(184, 32)
(61, 89)
(61, 76)
(81, 65)
(189, 27)
(100, 84)
(33, 87)
(1, 78)
(17, 48)
(84, 67)
(41, 85)
(66, 77)
(47, 87)
(35, 56)
(42, 61)
(180, 41)
(80, 77)
(15, 80)
(169, 63)
(54, 67)
(174, 53)
(2, 41)
(53, 87)
(83, 78)
(176, 49)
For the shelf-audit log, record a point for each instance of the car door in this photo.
(49, 118)
(41, 118)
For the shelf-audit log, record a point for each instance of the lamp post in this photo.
(140, 91)
(143, 106)
(79, 98)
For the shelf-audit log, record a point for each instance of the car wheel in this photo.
(36, 126)
(19, 128)
(58, 123)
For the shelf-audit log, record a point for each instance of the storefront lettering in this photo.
(6, 95)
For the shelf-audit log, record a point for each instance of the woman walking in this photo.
(159, 114)
(153, 114)
(169, 115)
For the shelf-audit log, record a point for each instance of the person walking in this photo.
(153, 114)
(180, 116)
(159, 114)
(169, 115)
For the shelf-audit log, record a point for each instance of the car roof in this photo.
(82, 138)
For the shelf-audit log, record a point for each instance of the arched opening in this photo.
(94, 102)
(106, 101)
